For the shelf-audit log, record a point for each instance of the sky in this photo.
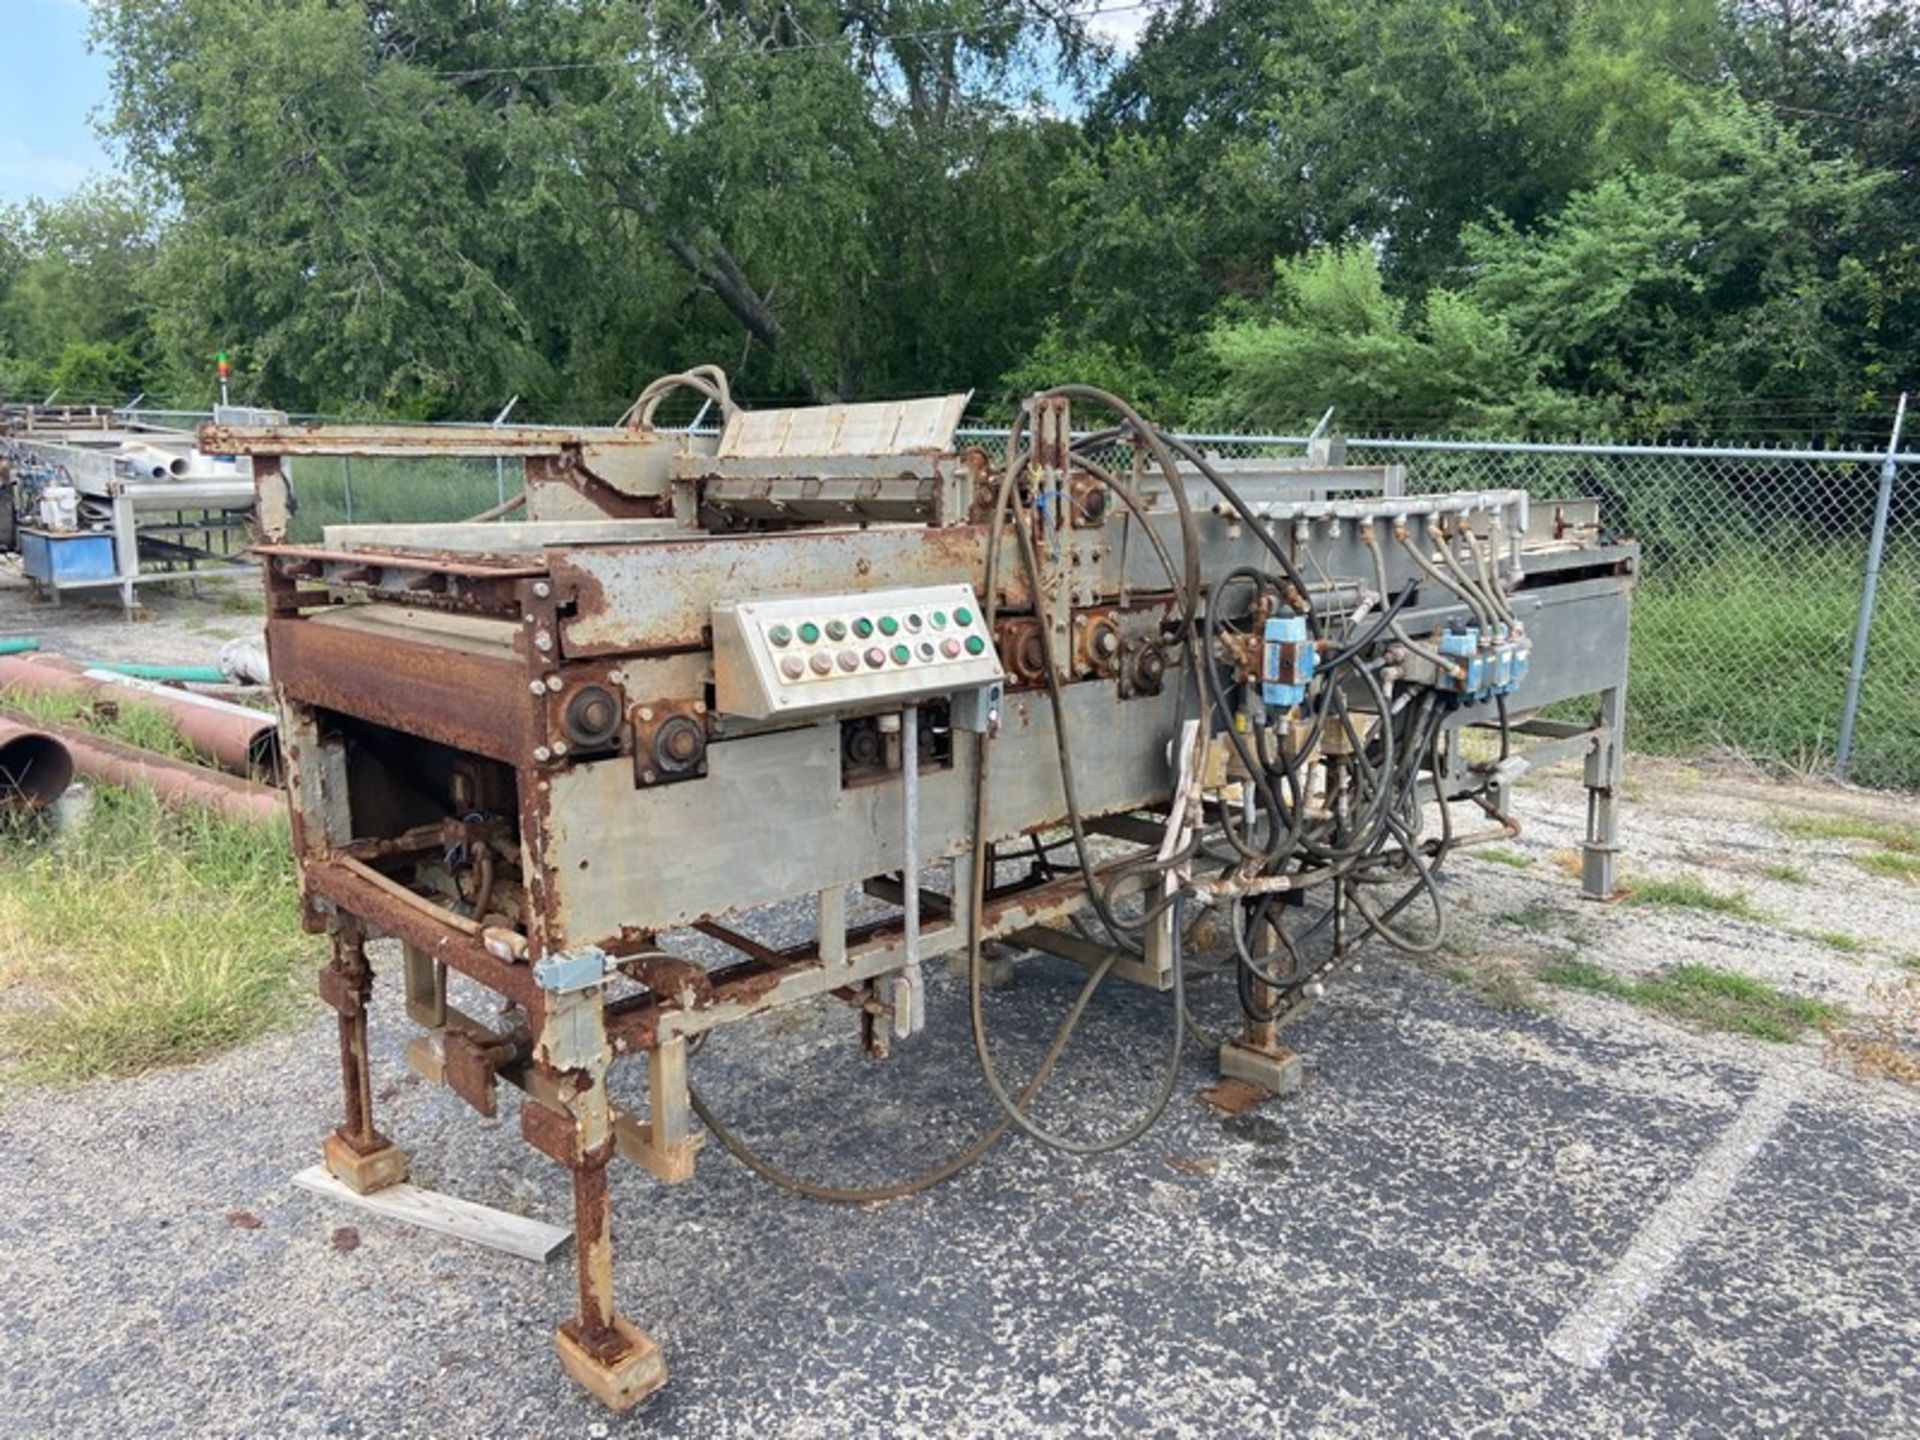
(47, 145)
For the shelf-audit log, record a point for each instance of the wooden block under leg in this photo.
(1276, 1071)
(363, 1174)
(619, 1372)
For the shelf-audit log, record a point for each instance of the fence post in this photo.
(346, 466)
(1876, 547)
(499, 462)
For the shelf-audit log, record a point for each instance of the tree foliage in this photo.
(1639, 216)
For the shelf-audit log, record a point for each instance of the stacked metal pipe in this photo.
(38, 760)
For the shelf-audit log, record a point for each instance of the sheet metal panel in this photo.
(770, 820)
(659, 596)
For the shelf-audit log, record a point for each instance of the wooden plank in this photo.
(446, 1215)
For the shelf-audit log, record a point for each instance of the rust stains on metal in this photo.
(451, 939)
(469, 701)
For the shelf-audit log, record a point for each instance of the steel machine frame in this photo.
(1078, 698)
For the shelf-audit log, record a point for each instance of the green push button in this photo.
(963, 616)
(809, 633)
(901, 655)
(975, 644)
(836, 630)
(889, 625)
(863, 627)
(780, 635)
(939, 619)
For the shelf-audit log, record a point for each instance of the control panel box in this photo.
(808, 654)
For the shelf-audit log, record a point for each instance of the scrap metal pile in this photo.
(1083, 697)
(98, 499)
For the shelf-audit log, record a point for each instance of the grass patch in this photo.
(1536, 915)
(1500, 855)
(1709, 603)
(1702, 995)
(144, 936)
(1686, 893)
(1498, 987)
(1890, 863)
(1834, 940)
(1884, 834)
(1786, 874)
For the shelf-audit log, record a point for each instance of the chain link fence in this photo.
(335, 490)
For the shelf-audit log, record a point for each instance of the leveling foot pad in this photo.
(1275, 1071)
(621, 1370)
(364, 1174)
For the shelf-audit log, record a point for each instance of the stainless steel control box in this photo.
(801, 655)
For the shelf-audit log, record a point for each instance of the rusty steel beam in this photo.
(405, 440)
(391, 909)
(174, 781)
(435, 563)
(475, 703)
(35, 768)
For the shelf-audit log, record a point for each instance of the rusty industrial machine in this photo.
(1086, 694)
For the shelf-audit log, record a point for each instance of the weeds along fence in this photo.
(1743, 626)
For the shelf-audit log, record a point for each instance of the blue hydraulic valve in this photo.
(1287, 660)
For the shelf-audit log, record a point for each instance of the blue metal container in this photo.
(66, 559)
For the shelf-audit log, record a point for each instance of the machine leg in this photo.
(616, 1361)
(356, 1153)
(126, 553)
(1606, 767)
(1258, 1057)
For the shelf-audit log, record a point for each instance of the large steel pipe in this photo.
(35, 768)
(243, 741)
(174, 781)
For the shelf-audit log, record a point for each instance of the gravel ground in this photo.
(1461, 1195)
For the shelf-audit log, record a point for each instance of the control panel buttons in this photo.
(803, 655)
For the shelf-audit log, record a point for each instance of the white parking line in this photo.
(1589, 1332)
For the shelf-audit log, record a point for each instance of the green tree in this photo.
(414, 206)
(1331, 335)
(73, 307)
